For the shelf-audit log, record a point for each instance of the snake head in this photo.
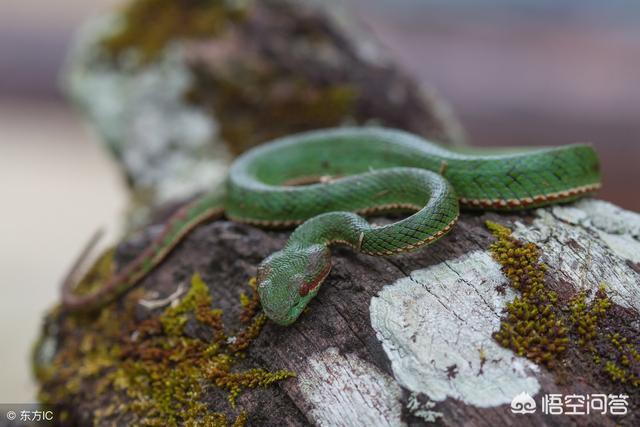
(289, 279)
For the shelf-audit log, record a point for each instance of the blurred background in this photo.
(532, 72)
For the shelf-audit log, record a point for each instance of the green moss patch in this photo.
(533, 326)
(585, 333)
(150, 25)
(158, 371)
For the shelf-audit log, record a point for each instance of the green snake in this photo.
(371, 170)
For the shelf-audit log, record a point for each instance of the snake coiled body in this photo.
(361, 171)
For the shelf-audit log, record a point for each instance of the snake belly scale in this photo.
(379, 170)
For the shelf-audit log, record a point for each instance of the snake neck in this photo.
(329, 229)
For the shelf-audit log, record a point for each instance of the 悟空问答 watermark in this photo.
(572, 404)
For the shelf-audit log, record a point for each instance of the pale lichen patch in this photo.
(168, 147)
(342, 388)
(618, 228)
(443, 317)
(589, 243)
(423, 410)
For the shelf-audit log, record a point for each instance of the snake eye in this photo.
(304, 289)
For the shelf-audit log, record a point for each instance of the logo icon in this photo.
(523, 404)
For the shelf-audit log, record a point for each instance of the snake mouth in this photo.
(313, 285)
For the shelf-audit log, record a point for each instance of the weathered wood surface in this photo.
(407, 340)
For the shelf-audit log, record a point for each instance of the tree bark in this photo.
(404, 340)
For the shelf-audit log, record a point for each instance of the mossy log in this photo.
(538, 302)
(176, 100)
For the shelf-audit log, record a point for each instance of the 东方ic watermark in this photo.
(26, 415)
